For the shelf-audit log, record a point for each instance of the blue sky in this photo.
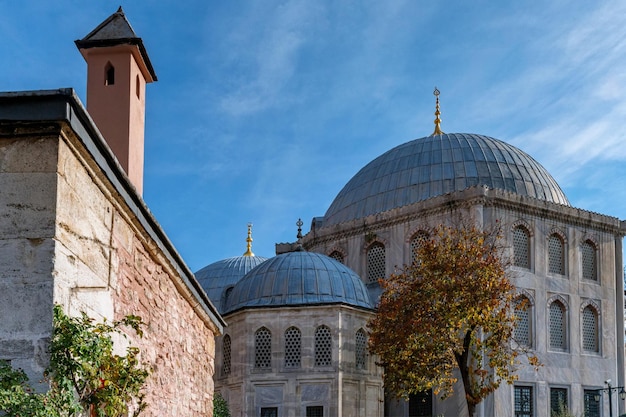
(265, 109)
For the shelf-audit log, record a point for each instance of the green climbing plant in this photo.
(85, 376)
(220, 406)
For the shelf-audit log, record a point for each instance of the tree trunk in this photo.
(461, 361)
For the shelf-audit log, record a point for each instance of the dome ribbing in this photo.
(438, 165)
(297, 279)
(219, 276)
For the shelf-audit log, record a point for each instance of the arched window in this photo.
(556, 254)
(336, 255)
(109, 74)
(137, 87)
(226, 351)
(590, 266)
(293, 347)
(416, 241)
(263, 348)
(421, 404)
(521, 247)
(375, 262)
(590, 329)
(523, 333)
(360, 349)
(323, 346)
(558, 330)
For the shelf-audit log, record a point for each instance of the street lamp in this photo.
(610, 390)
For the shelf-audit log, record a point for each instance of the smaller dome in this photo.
(297, 279)
(219, 276)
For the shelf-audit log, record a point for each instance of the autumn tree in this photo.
(450, 309)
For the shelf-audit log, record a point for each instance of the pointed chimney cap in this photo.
(113, 31)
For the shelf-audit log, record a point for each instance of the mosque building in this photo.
(290, 331)
(296, 335)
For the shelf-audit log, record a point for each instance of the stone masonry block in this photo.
(26, 155)
(16, 348)
(27, 206)
(26, 261)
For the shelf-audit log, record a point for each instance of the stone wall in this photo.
(27, 222)
(177, 343)
(69, 234)
(340, 388)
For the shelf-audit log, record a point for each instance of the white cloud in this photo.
(273, 56)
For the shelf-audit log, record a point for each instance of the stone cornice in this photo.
(464, 200)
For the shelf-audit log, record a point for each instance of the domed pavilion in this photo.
(296, 341)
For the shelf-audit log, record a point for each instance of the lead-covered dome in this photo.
(297, 279)
(438, 165)
(219, 277)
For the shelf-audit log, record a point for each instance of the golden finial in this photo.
(249, 240)
(437, 114)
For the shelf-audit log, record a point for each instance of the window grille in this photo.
(226, 349)
(557, 326)
(360, 349)
(336, 255)
(375, 262)
(293, 347)
(590, 329)
(558, 401)
(556, 258)
(263, 348)
(269, 411)
(418, 239)
(521, 247)
(589, 261)
(323, 346)
(421, 404)
(523, 328)
(524, 401)
(315, 411)
(592, 407)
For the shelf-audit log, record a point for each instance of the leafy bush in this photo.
(84, 374)
(220, 406)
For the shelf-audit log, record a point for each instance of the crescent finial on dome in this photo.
(299, 223)
(249, 241)
(438, 130)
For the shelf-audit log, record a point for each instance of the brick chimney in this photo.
(118, 69)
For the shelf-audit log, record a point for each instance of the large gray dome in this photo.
(297, 279)
(438, 165)
(219, 276)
